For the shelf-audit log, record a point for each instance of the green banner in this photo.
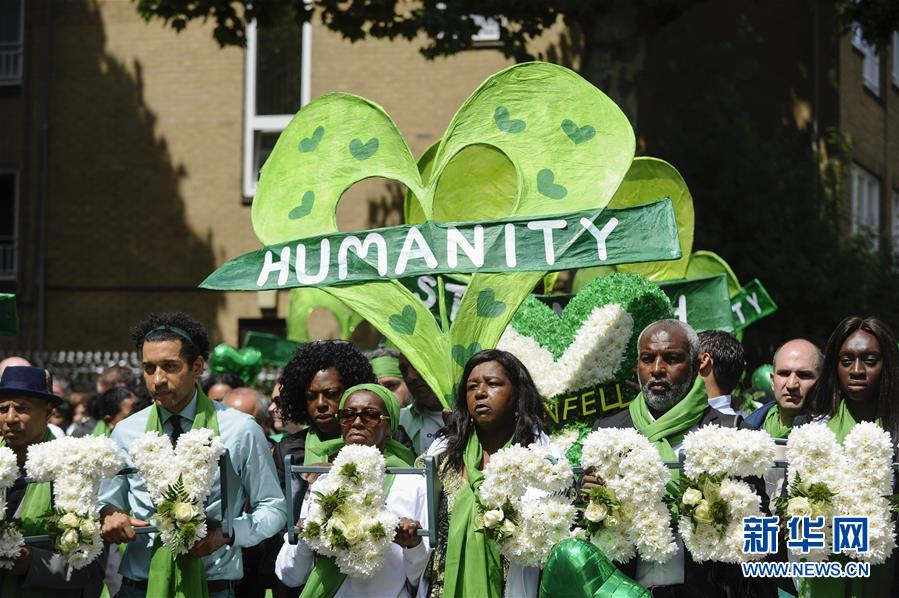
(703, 303)
(589, 404)
(523, 244)
(9, 317)
(751, 304)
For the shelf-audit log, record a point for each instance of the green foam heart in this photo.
(506, 124)
(546, 185)
(404, 323)
(305, 207)
(308, 144)
(246, 363)
(461, 353)
(488, 306)
(578, 134)
(364, 151)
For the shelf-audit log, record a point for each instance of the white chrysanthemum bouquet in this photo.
(628, 511)
(712, 503)
(76, 466)
(179, 480)
(526, 529)
(853, 480)
(347, 519)
(11, 540)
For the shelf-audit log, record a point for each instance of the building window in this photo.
(9, 199)
(870, 61)
(895, 220)
(896, 58)
(277, 85)
(12, 24)
(488, 30)
(865, 203)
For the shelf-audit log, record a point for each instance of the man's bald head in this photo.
(675, 325)
(249, 401)
(797, 366)
(803, 347)
(667, 363)
(14, 361)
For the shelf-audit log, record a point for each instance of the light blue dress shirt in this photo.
(252, 460)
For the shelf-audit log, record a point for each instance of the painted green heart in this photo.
(488, 306)
(308, 144)
(546, 185)
(578, 134)
(593, 341)
(462, 354)
(506, 124)
(364, 151)
(305, 206)
(404, 323)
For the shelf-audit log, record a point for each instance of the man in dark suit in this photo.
(672, 402)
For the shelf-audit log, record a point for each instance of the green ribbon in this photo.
(842, 422)
(316, 449)
(36, 505)
(773, 427)
(672, 426)
(473, 566)
(578, 568)
(101, 429)
(386, 366)
(181, 576)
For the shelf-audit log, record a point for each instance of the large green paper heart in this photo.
(521, 140)
(246, 362)
(593, 342)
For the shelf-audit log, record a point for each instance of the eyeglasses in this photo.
(370, 417)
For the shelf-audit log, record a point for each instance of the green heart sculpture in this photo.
(512, 115)
(578, 569)
(594, 340)
(246, 362)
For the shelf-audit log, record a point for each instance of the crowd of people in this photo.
(331, 395)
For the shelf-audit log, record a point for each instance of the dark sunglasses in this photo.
(370, 417)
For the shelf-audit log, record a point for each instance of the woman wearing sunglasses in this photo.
(368, 415)
(497, 405)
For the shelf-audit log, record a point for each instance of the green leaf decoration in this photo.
(308, 144)
(485, 165)
(506, 124)
(404, 323)
(305, 206)
(304, 302)
(706, 263)
(488, 306)
(578, 134)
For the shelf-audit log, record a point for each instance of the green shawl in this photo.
(326, 578)
(670, 429)
(773, 426)
(101, 429)
(36, 504)
(181, 576)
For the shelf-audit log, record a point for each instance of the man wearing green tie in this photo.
(174, 348)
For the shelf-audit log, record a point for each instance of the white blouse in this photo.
(407, 498)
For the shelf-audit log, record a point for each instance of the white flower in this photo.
(703, 512)
(185, 511)
(69, 520)
(88, 527)
(69, 541)
(596, 512)
(692, 496)
(799, 506)
(493, 517)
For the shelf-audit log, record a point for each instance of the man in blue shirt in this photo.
(174, 348)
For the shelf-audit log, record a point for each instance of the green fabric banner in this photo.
(702, 302)
(9, 317)
(523, 244)
(751, 304)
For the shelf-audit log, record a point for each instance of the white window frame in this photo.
(895, 198)
(870, 60)
(267, 123)
(895, 44)
(11, 55)
(866, 191)
(11, 275)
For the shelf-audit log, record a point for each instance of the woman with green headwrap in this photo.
(497, 405)
(368, 415)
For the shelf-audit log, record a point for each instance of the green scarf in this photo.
(101, 429)
(669, 429)
(473, 566)
(386, 366)
(326, 578)
(316, 449)
(773, 427)
(36, 504)
(881, 579)
(181, 576)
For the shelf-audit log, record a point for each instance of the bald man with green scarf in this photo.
(672, 402)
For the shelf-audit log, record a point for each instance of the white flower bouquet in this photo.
(76, 466)
(347, 519)
(627, 512)
(712, 504)
(853, 480)
(11, 540)
(523, 505)
(179, 480)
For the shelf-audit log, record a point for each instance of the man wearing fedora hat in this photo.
(26, 400)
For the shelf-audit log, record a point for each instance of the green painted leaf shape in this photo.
(330, 169)
(706, 263)
(648, 180)
(305, 301)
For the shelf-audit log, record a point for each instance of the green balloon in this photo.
(761, 377)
